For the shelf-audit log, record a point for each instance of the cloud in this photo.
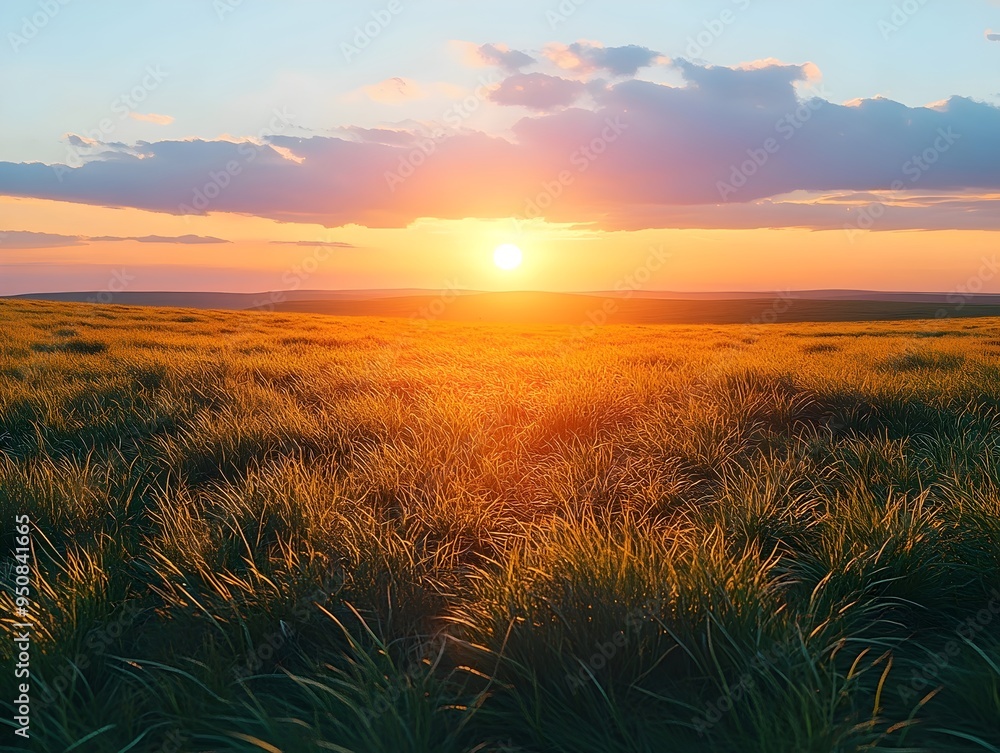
(324, 244)
(24, 239)
(20, 239)
(538, 91)
(80, 142)
(152, 118)
(386, 136)
(639, 155)
(587, 57)
(494, 55)
(991, 36)
(192, 240)
(394, 91)
(761, 83)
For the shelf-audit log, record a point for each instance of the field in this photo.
(290, 532)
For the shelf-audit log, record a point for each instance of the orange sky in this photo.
(437, 254)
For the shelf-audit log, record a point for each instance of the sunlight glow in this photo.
(508, 256)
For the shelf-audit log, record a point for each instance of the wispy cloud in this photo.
(23, 239)
(181, 239)
(325, 244)
(20, 239)
(538, 91)
(394, 91)
(587, 57)
(152, 117)
(493, 55)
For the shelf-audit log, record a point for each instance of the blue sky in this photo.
(225, 73)
(771, 143)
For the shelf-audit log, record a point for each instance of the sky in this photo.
(251, 145)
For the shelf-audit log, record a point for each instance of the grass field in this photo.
(570, 309)
(279, 532)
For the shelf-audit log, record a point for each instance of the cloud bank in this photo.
(22, 239)
(721, 150)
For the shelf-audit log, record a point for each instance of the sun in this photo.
(508, 256)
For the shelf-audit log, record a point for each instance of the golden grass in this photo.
(387, 535)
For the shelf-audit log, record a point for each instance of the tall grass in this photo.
(263, 533)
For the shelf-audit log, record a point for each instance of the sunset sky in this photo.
(249, 145)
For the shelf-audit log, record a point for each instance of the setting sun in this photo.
(508, 256)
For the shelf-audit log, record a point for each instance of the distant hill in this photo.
(227, 301)
(646, 307)
(564, 308)
(813, 295)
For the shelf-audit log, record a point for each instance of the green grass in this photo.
(258, 532)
